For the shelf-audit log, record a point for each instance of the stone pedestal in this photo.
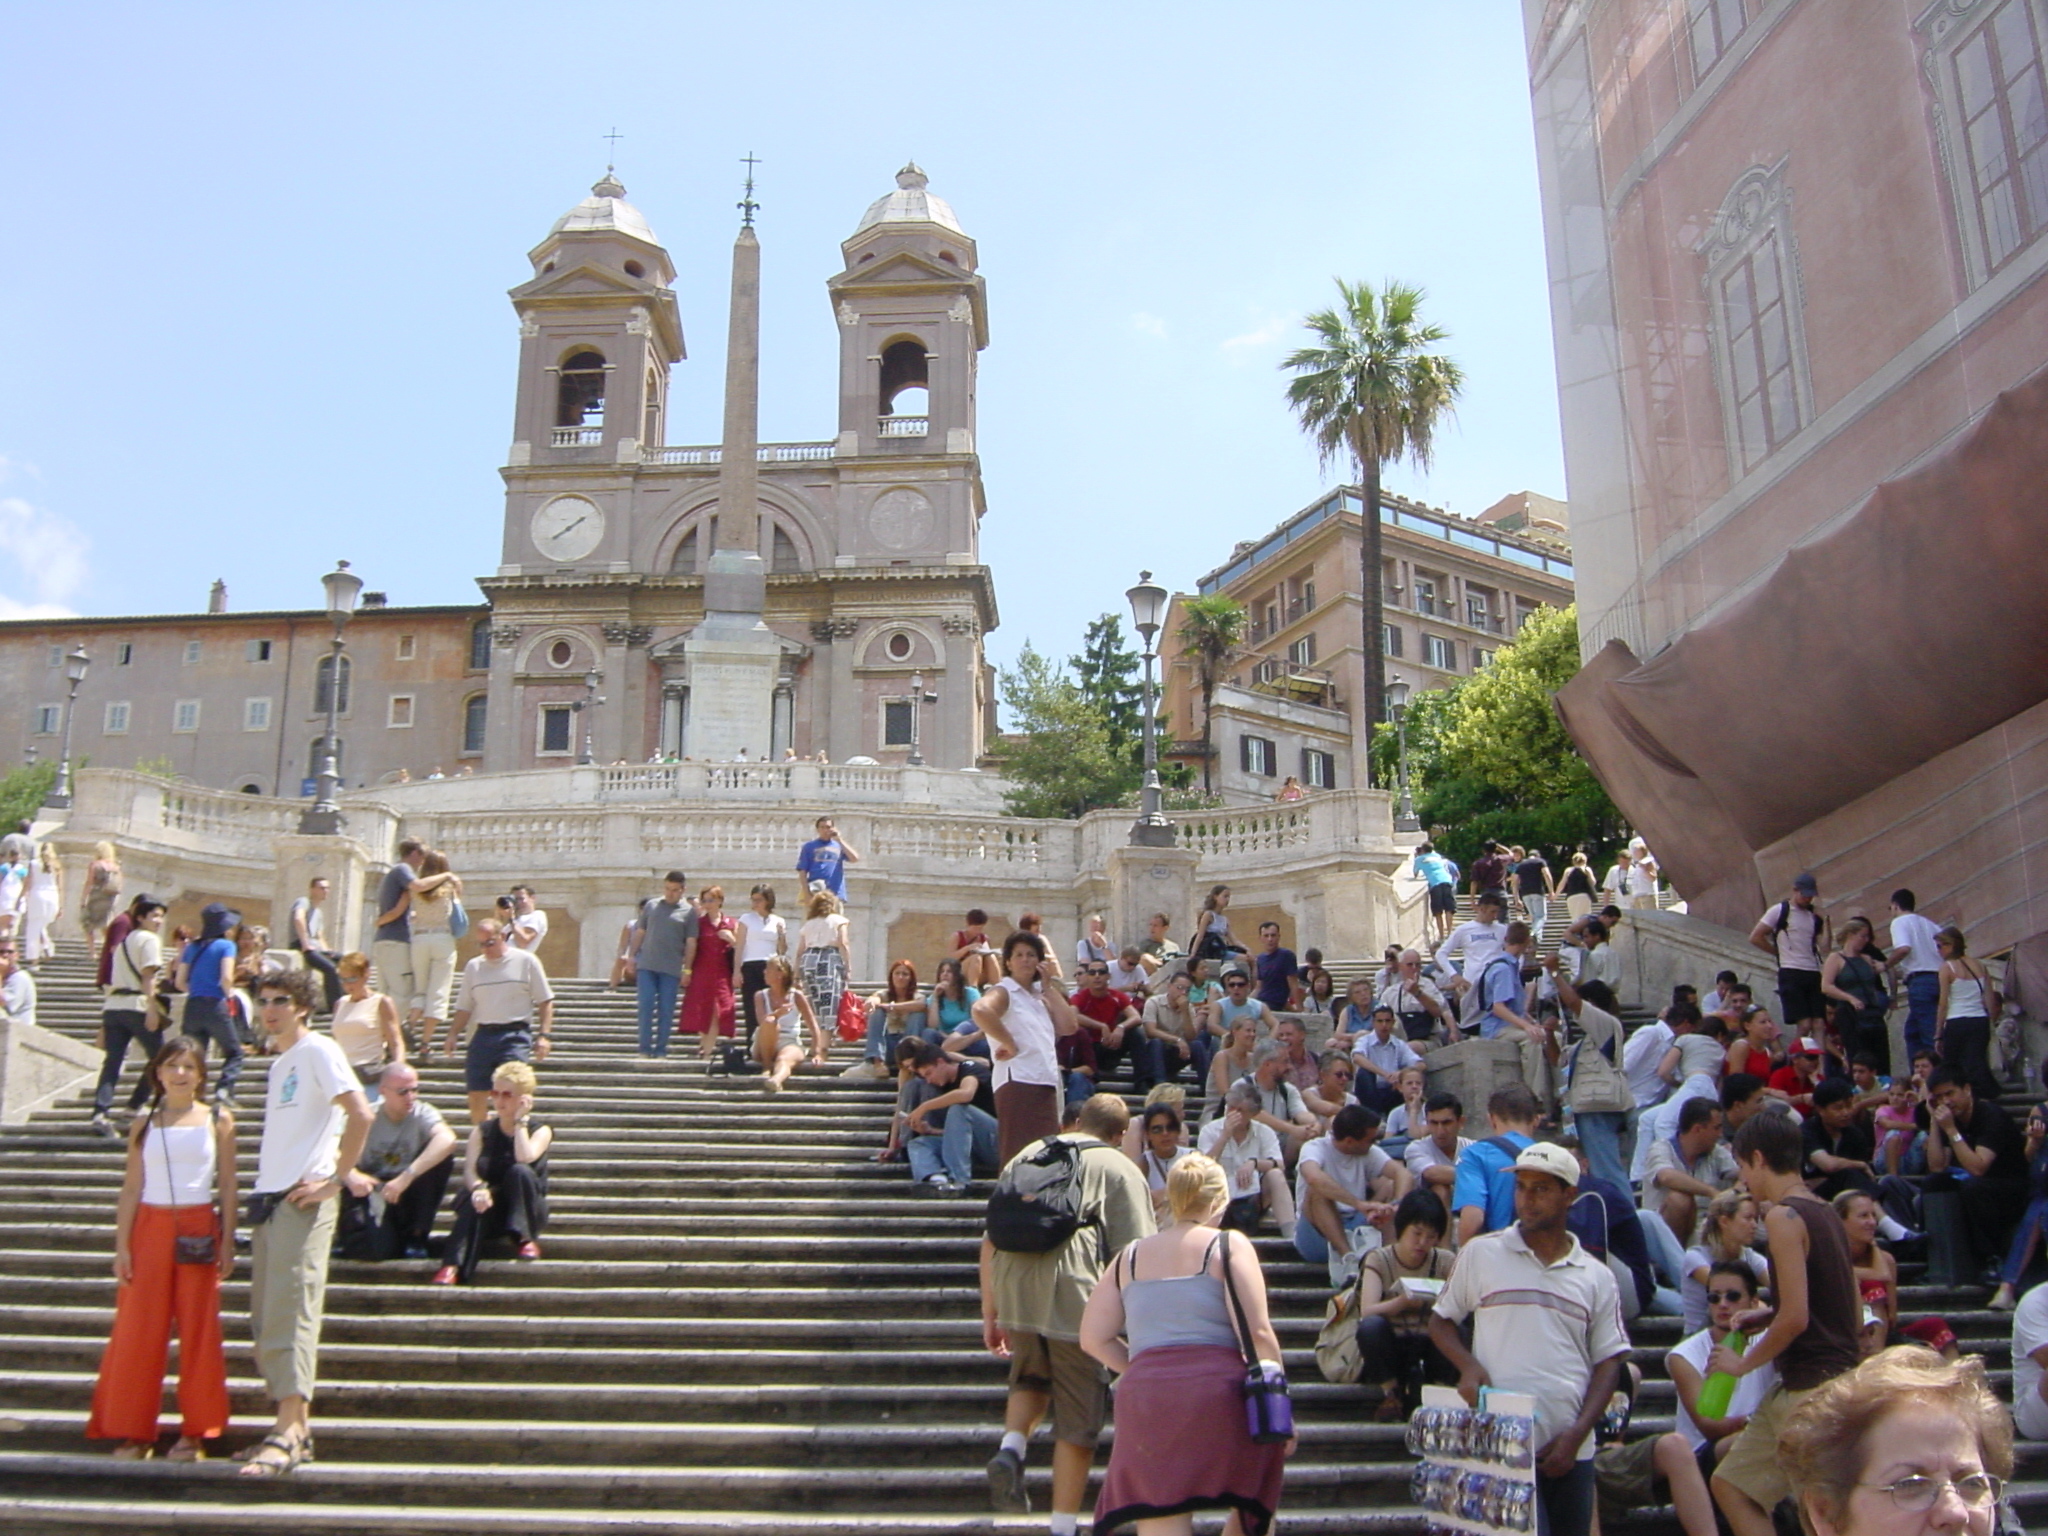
(1147, 880)
(733, 661)
(1472, 1069)
(345, 864)
(38, 1067)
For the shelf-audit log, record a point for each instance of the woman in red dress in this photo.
(707, 959)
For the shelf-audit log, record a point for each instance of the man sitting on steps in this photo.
(393, 1193)
(951, 1124)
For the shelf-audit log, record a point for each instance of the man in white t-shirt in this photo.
(2030, 1364)
(529, 923)
(1343, 1185)
(507, 1006)
(1547, 1322)
(1432, 1160)
(315, 1120)
(1914, 951)
(1795, 932)
(1471, 945)
(1249, 1154)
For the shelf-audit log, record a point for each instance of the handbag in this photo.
(1594, 1086)
(189, 1247)
(851, 1020)
(1337, 1353)
(1268, 1410)
(458, 919)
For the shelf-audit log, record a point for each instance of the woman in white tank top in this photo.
(1962, 1014)
(181, 1159)
(785, 1014)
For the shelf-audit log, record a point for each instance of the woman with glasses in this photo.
(1164, 1147)
(504, 1178)
(1726, 1236)
(1173, 1026)
(1906, 1444)
(1730, 1289)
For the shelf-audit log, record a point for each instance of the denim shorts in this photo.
(490, 1047)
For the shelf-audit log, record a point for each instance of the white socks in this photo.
(1013, 1440)
(1891, 1229)
(1065, 1525)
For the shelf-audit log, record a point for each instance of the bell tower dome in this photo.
(912, 318)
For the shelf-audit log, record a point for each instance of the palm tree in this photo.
(1368, 389)
(1211, 628)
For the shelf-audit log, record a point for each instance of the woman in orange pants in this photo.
(181, 1159)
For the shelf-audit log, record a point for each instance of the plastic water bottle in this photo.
(1718, 1390)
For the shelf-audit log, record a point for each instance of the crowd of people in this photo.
(1757, 1175)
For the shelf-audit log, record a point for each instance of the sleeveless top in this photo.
(1834, 1302)
(1966, 998)
(1187, 1309)
(186, 1176)
(788, 1024)
(1031, 1027)
(355, 1030)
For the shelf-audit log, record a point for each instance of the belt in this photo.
(521, 1024)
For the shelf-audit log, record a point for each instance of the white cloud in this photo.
(42, 557)
(1240, 348)
(1149, 325)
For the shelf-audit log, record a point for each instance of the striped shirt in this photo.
(508, 990)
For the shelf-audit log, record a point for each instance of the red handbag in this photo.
(852, 1019)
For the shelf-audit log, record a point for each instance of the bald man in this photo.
(395, 1188)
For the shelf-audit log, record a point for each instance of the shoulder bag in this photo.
(189, 1247)
(1593, 1085)
(1268, 1410)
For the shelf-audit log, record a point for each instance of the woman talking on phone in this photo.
(1022, 1015)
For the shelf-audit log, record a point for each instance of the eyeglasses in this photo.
(1716, 1296)
(1094, 970)
(273, 1002)
(1915, 1495)
(1237, 981)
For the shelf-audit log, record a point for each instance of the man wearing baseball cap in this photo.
(1796, 934)
(1546, 1321)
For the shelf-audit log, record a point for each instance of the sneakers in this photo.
(859, 1069)
(529, 1249)
(103, 1128)
(942, 1186)
(1343, 1269)
(1006, 1484)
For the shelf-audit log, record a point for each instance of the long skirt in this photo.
(824, 979)
(1182, 1443)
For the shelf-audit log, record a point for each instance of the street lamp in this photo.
(75, 666)
(323, 817)
(1397, 710)
(918, 699)
(585, 707)
(1148, 612)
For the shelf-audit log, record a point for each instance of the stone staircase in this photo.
(743, 1323)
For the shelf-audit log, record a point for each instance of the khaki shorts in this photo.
(1752, 1461)
(1078, 1384)
(1626, 1477)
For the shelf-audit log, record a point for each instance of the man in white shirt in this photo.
(529, 923)
(1914, 951)
(1249, 1154)
(1418, 1002)
(506, 997)
(17, 986)
(1432, 1160)
(315, 1120)
(309, 937)
(1468, 949)
(130, 1013)
(1345, 1184)
(2030, 1364)
(1546, 1322)
(1795, 933)
(1381, 1057)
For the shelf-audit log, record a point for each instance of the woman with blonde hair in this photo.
(102, 890)
(1906, 1443)
(1877, 1272)
(1579, 887)
(822, 956)
(1726, 1233)
(504, 1178)
(42, 903)
(365, 1024)
(434, 896)
(785, 1014)
(1171, 1317)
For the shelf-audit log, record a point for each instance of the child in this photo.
(1897, 1135)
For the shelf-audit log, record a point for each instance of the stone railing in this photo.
(905, 426)
(577, 437)
(658, 783)
(767, 453)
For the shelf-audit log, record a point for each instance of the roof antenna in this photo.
(747, 206)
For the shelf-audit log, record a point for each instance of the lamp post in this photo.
(323, 817)
(1397, 710)
(75, 666)
(584, 707)
(918, 699)
(1148, 612)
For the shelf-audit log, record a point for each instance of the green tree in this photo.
(23, 792)
(1211, 628)
(1368, 389)
(1061, 763)
(1489, 757)
(1107, 670)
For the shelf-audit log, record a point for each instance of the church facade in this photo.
(876, 594)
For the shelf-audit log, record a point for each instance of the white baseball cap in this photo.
(1548, 1157)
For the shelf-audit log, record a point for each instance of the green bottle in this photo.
(1718, 1390)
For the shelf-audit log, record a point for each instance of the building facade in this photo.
(1797, 266)
(1454, 590)
(877, 595)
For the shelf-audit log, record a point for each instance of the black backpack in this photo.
(1036, 1204)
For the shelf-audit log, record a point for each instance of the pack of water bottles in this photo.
(1477, 1472)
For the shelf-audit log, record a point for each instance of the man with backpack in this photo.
(1483, 1197)
(1063, 1208)
(1795, 932)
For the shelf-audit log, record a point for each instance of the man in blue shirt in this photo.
(1441, 876)
(823, 860)
(1279, 978)
(1484, 1195)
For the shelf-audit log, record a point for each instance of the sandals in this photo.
(291, 1454)
(135, 1450)
(187, 1450)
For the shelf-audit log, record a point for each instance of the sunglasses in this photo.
(1237, 981)
(1714, 1297)
(1094, 970)
(273, 1002)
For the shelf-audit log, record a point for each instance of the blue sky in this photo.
(252, 302)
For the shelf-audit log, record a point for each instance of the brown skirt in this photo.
(1182, 1443)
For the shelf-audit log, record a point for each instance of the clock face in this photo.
(568, 528)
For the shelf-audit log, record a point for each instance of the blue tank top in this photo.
(1189, 1309)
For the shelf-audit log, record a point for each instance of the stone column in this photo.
(502, 747)
(621, 729)
(1147, 880)
(843, 737)
(954, 727)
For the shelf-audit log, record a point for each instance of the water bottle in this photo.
(1718, 1390)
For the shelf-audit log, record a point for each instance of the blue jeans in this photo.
(881, 1038)
(1600, 1135)
(1923, 994)
(2033, 1230)
(1666, 1256)
(1564, 1505)
(968, 1137)
(1311, 1244)
(1202, 1051)
(206, 1019)
(657, 997)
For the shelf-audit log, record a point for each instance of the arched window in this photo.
(783, 555)
(651, 434)
(685, 561)
(580, 396)
(324, 682)
(473, 720)
(904, 366)
(480, 646)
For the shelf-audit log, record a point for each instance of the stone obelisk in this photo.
(733, 656)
